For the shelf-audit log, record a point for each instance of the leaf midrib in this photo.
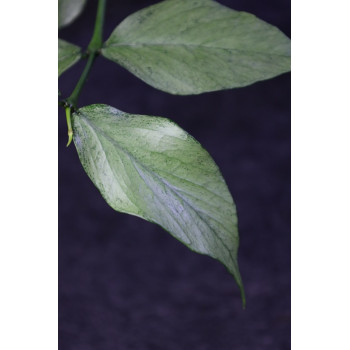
(94, 127)
(134, 160)
(197, 46)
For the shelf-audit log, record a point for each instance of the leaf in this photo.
(68, 11)
(151, 168)
(193, 46)
(68, 55)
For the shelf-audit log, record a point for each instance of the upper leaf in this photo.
(151, 168)
(193, 46)
(68, 54)
(68, 11)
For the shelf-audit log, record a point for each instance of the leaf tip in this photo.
(243, 298)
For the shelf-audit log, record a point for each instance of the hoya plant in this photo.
(148, 166)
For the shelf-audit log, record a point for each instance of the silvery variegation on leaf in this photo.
(193, 46)
(150, 167)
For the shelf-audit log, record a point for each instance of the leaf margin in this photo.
(77, 142)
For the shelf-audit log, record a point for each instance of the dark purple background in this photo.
(125, 283)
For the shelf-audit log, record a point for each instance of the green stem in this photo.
(93, 50)
(96, 40)
(73, 98)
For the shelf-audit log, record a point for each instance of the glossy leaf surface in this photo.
(68, 11)
(193, 46)
(151, 168)
(68, 54)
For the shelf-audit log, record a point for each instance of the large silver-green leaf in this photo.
(68, 54)
(193, 46)
(68, 11)
(151, 168)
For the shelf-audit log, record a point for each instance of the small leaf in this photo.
(151, 168)
(68, 11)
(193, 46)
(68, 55)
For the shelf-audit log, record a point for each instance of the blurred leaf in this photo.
(189, 47)
(151, 168)
(68, 54)
(68, 11)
